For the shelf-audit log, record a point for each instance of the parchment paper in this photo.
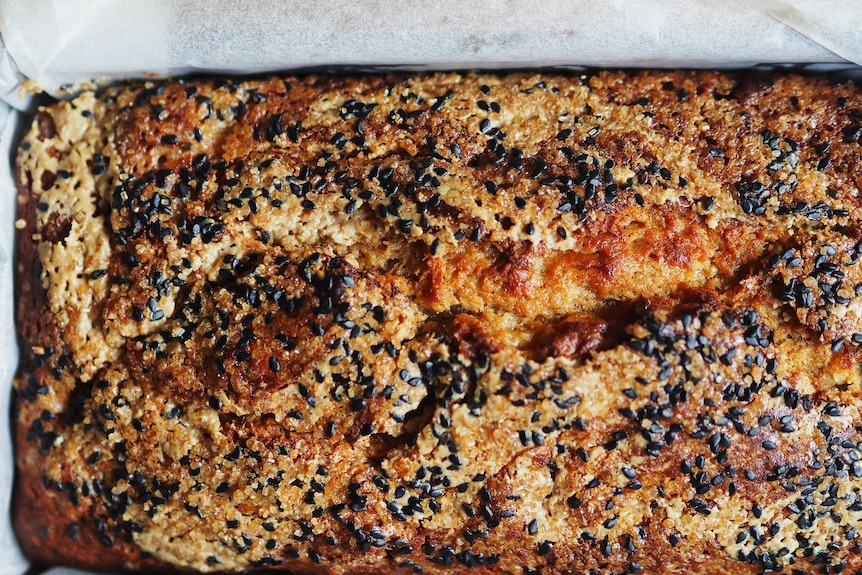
(11, 560)
(57, 42)
(834, 24)
(62, 42)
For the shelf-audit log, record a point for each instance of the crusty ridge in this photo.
(516, 323)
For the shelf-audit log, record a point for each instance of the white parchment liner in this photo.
(56, 42)
(11, 560)
(62, 42)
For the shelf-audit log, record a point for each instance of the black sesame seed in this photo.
(606, 547)
(274, 365)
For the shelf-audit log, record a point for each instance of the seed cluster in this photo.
(513, 324)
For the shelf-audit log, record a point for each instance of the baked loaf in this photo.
(520, 324)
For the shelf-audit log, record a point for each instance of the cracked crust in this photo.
(516, 323)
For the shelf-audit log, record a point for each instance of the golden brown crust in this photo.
(518, 323)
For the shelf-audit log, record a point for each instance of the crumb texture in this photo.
(532, 324)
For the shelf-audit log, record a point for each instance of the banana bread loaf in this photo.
(604, 323)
